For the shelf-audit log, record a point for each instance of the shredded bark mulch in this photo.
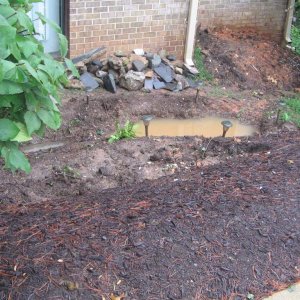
(220, 232)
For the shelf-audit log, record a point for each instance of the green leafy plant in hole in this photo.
(199, 64)
(126, 132)
(29, 81)
(291, 111)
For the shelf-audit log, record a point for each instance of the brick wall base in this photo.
(161, 24)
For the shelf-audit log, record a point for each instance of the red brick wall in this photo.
(161, 24)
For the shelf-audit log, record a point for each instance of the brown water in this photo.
(207, 127)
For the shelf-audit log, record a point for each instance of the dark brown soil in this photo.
(218, 232)
(249, 61)
(156, 218)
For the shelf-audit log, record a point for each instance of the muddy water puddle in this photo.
(207, 127)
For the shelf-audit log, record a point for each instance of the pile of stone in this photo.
(137, 71)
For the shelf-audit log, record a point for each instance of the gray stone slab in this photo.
(164, 72)
(158, 84)
(149, 84)
(89, 82)
(109, 83)
(138, 66)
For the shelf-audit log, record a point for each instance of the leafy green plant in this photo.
(199, 64)
(295, 36)
(126, 132)
(291, 111)
(29, 81)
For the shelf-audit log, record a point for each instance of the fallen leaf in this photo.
(290, 162)
(113, 297)
(70, 285)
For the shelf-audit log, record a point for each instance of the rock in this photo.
(107, 170)
(100, 81)
(140, 52)
(98, 63)
(162, 53)
(165, 72)
(75, 84)
(138, 65)
(171, 57)
(115, 75)
(109, 83)
(171, 86)
(149, 74)
(148, 84)
(158, 84)
(178, 70)
(134, 57)
(89, 56)
(115, 62)
(149, 55)
(119, 53)
(190, 70)
(194, 83)
(92, 68)
(155, 61)
(182, 80)
(132, 81)
(205, 52)
(89, 82)
(101, 74)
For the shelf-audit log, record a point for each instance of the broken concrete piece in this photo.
(132, 81)
(120, 53)
(191, 70)
(148, 84)
(149, 74)
(155, 61)
(109, 83)
(171, 57)
(165, 72)
(139, 52)
(115, 63)
(182, 80)
(89, 82)
(158, 84)
(138, 65)
(101, 74)
(178, 71)
(74, 84)
(89, 56)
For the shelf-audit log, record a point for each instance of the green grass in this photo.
(295, 36)
(126, 132)
(199, 64)
(291, 111)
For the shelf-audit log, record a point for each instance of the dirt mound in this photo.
(249, 61)
(224, 232)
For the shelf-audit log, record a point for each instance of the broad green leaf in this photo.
(9, 14)
(18, 160)
(32, 121)
(10, 88)
(26, 45)
(49, 22)
(30, 69)
(63, 44)
(4, 2)
(50, 118)
(23, 135)
(5, 67)
(25, 21)
(31, 101)
(7, 100)
(72, 68)
(8, 130)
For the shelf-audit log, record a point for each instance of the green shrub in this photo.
(29, 81)
(126, 132)
(295, 36)
(199, 64)
(291, 111)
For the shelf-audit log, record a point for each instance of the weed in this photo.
(126, 132)
(295, 36)
(74, 122)
(291, 111)
(203, 73)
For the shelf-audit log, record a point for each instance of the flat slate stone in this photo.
(165, 72)
(158, 84)
(97, 63)
(149, 84)
(109, 83)
(171, 57)
(89, 82)
(172, 86)
(155, 61)
(138, 66)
